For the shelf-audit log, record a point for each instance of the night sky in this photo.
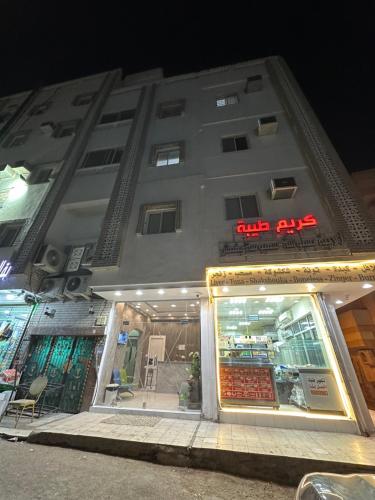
(330, 49)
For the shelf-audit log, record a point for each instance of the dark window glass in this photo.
(233, 208)
(249, 206)
(8, 235)
(228, 144)
(153, 223)
(127, 114)
(168, 224)
(42, 176)
(102, 157)
(241, 143)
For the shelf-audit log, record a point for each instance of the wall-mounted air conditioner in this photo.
(283, 188)
(50, 259)
(284, 318)
(52, 288)
(47, 128)
(77, 286)
(267, 125)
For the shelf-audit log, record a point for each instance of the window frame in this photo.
(225, 98)
(242, 216)
(158, 149)
(110, 152)
(119, 117)
(163, 106)
(154, 208)
(9, 225)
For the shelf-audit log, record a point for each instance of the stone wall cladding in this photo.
(336, 187)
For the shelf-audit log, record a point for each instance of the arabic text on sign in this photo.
(288, 226)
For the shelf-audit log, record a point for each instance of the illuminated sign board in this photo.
(5, 269)
(282, 226)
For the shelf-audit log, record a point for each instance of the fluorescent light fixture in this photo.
(225, 289)
(238, 300)
(275, 299)
(161, 291)
(139, 292)
(192, 305)
(338, 301)
(137, 307)
(233, 327)
(184, 290)
(155, 305)
(118, 293)
(7, 312)
(262, 288)
(265, 312)
(244, 323)
(367, 285)
(173, 305)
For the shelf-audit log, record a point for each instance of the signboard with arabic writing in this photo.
(328, 272)
(282, 226)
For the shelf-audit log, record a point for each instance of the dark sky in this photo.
(330, 49)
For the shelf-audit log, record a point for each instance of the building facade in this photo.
(210, 218)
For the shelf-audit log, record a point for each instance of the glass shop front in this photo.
(273, 352)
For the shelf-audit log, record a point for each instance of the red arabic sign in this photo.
(251, 384)
(288, 226)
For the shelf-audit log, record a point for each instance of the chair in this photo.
(32, 397)
(120, 378)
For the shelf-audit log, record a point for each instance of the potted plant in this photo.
(194, 401)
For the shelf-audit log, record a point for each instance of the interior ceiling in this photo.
(168, 309)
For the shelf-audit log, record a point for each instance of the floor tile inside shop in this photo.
(203, 434)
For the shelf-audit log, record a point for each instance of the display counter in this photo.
(247, 382)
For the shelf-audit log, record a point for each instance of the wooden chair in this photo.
(32, 397)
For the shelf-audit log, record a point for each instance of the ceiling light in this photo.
(161, 291)
(192, 305)
(185, 314)
(275, 299)
(154, 314)
(137, 307)
(197, 302)
(139, 292)
(184, 290)
(296, 301)
(262, 288)
(173, 305)
(138, 303)
(338, 301)
(155, 305)
(244, 323)
(118, 293)
(367, 285)
(265, 311)
(147, 310)
(225, 289)
(256, 301)
(169, 314)
(7, 312)
(238, 300)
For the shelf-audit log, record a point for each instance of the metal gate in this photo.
(64, 360)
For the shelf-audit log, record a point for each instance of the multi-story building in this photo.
(205, 228)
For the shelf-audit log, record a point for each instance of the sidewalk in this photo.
(278, 455)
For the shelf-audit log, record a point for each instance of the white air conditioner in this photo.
(88, 256)
(52, 288)
(77, 286)
(285, 318)
(283, 188)
(47, 128)
(267, 125)
(50, 259)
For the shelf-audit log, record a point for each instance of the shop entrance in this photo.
(67, 362)
(157, 358)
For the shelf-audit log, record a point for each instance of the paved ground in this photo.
(38, 472)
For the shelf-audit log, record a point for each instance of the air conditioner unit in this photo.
(88, 256)
(75, 258)
(284, 318)
(47, 128)
(267, 125)
(50, 259)
(52, 288)
(77, 286)
(283, 188)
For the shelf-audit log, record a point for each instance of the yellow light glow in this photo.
(18, 189)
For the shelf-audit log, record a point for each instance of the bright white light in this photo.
(197, 302)
(310, 287)
(154, 314)
(161, 291)
(184, 290)
(147, 310)
(173, 305)
(275, 299)
(9, 296)
(155, 305)
(7, 312)
(231, 327)
(244, 323)
(238, 300)
(338, 301)
(18, 189)
(265, 312)
(185, 314)
(137, 307)
(367, 285)
(138, 303)
(118, 293)
(139, 292)
(225, 289)
(235, 312)
(169, 314)
(262, 288)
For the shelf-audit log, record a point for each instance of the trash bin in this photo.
(325, 486)
(111, 392)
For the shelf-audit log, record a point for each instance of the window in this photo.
(17, 139)
(163, 155)
(102, 157)
(39, 109)
(171, 108)
(267, 125)
(254, 84)
(83, 99)
(237, 143)
(241, 207)
(159, 218)
(127, 114)
(9, 233)
(226, 101)
(66, 129)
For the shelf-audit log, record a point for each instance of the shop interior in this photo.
(157, 358)
(272, 354)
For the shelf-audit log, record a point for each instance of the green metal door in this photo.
(37, 358)
(58, 364)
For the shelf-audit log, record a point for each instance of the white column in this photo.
(208, 362)
(106, 365)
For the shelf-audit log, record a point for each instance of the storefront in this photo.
(281, 357)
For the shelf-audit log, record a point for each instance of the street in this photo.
(39, 472)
